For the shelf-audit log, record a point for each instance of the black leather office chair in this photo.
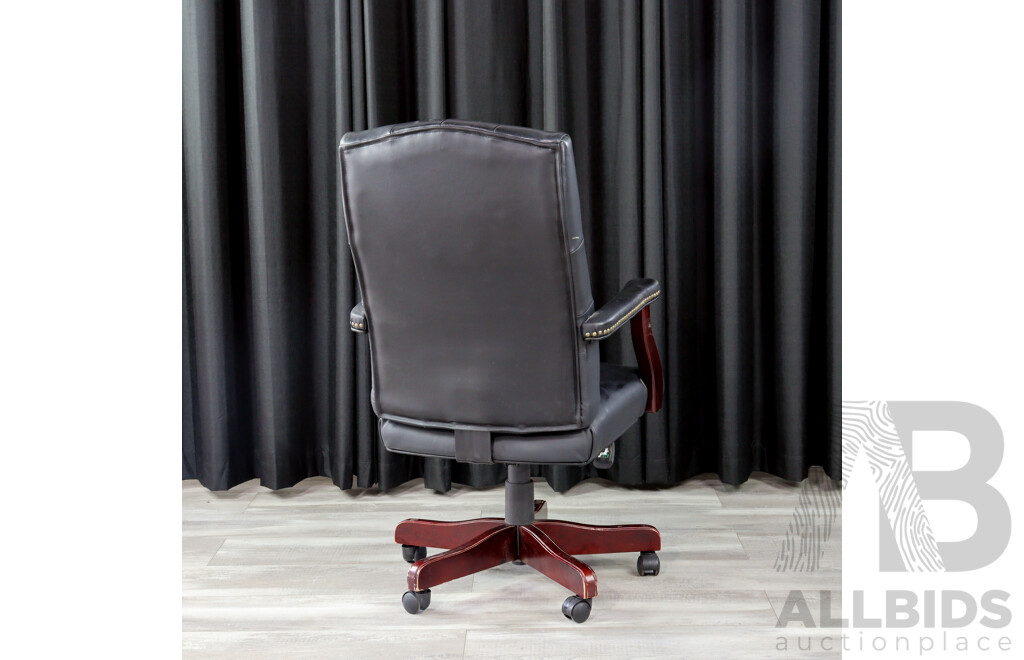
(484, 340)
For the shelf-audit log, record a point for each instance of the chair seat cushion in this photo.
(623, 401)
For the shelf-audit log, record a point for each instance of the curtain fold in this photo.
(707, 141)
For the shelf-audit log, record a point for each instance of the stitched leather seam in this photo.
(357, 266)
(561, 154)
(553, 145)
(586, 311)
(503, 430)
(625, 317)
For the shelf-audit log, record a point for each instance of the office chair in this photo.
(484, 340)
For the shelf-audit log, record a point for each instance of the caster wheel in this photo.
(648, 563)
(576, 608)
(411, 553)
(415, 602)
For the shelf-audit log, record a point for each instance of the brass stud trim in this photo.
(625, 317)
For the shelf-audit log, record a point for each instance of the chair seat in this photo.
(623, 401)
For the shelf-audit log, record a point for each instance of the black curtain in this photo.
(707, 139)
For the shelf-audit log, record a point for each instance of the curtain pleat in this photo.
(707, 144)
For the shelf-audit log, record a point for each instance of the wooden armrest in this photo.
(647, 358)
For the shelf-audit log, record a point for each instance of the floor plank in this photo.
(312, 571)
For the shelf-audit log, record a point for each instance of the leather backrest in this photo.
(468, 247)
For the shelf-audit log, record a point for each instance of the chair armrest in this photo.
(357, 318)
(632, 304)
(636, 295)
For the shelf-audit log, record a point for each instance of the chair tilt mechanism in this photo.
(468, 248)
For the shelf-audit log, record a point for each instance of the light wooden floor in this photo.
(312, 571)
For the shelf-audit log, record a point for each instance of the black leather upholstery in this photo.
(623, 397)
(626, 303)
(468, 247)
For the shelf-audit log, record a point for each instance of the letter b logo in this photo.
(967, 484)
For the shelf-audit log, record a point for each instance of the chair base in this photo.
(547, 546)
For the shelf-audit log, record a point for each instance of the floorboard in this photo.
(312, 571)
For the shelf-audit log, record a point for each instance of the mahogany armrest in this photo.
(647, 359)
(633, 304)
